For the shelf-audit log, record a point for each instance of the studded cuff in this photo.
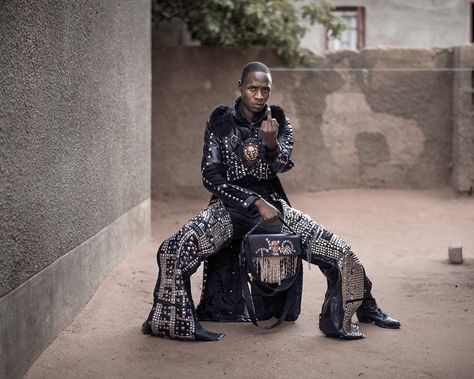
(270, 155)
(229, 193)
(250, 201)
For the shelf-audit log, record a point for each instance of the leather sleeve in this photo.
(279, 159)
(214, 175)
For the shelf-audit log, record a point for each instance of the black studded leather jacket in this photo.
(236, 166)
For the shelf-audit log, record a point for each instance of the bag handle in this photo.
(261, 220)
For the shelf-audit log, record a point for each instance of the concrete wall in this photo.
(388, 126)
(420, 23)
(75, 159)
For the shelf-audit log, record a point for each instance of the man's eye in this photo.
(266, 90)
(252, 89)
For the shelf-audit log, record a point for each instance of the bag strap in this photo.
(264, 289)
(261, 287)
(251, 308)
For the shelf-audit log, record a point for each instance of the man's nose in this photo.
(259, 94)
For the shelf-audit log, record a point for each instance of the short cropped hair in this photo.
(254, 67)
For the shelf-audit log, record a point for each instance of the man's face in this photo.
(255, 91)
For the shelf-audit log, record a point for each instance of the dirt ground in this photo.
(401, 237)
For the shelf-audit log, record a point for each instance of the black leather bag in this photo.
(270, 265)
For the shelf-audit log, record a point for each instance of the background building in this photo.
(420, 23)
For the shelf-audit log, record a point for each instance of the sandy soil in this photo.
(401, 237)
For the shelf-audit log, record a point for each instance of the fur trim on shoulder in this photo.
(218, 118)
(278, 114)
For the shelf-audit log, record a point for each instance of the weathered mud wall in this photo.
(463, 119)
(375, 118)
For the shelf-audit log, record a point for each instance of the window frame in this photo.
(361, 30)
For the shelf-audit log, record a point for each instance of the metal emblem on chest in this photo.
(251, 151)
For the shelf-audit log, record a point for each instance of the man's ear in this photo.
(239, 85)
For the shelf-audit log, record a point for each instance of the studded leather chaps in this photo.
(173, 313)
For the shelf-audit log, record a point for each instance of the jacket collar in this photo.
(240, 118)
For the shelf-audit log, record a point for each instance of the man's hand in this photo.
(269, 131)
(267, 211)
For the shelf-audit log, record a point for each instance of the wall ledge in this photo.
(36, 311)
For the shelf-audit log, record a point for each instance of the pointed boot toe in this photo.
(377, 316)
